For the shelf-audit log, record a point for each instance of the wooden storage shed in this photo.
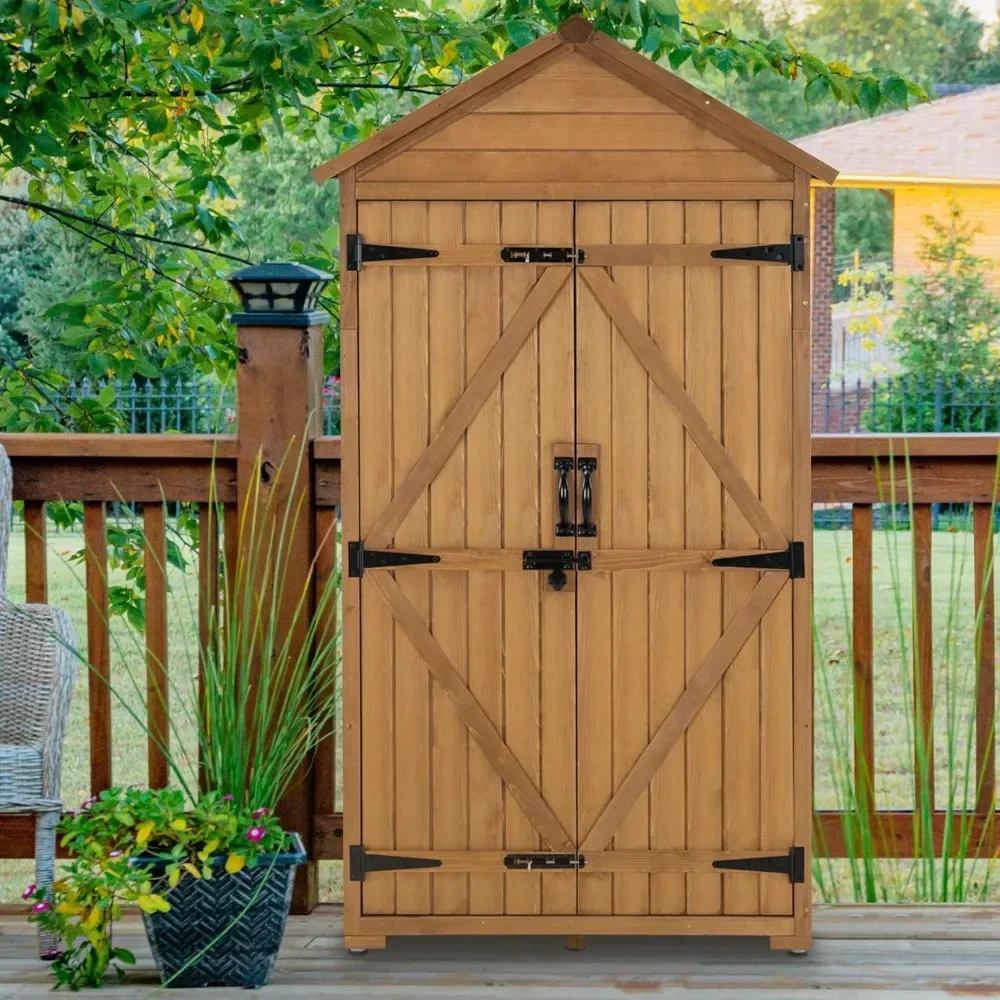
(576, 502)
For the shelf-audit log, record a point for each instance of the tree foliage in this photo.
(127, 121)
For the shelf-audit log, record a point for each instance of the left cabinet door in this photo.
(468, 664)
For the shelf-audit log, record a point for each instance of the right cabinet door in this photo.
(684, 706)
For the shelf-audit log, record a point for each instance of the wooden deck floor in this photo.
(884, 952)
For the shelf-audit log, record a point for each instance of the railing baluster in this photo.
(98, 645)
(324, 773)
(35, 553)
(985, 658)
(864, 678)
(923, 659)
(208, 605)
(157, 680)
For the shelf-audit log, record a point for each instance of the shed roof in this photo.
(577, 34)
(954, 139)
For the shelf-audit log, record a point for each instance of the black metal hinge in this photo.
(793, 253)
(792, 864)
(793, 560)
(545, 862)
(361, 862)
(542, 255)
(358, 252)
(359, 558)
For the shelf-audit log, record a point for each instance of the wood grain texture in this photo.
(98, 646)
(122, 446)
(590, 166)
(431, 458)
(157, 676)
(672, 386)
(35, 552)
(864, 663)
(571, 190)
(348, 453)
(985, 603)
(702, 683)
(498, 753)
(741, 685)
(923, 660)
(581, 131)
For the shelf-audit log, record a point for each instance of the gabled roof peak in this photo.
(579, 35)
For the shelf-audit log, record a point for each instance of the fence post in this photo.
(278, 392)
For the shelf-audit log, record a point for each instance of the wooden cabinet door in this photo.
(684, 670)
(467, 674)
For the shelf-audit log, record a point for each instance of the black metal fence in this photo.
(190, 406)
(944, 404)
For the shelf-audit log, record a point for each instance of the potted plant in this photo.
(206, 860)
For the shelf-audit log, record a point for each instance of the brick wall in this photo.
(824, 218)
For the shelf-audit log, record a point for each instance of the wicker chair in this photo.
(36, 682)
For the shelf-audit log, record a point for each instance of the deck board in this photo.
(888, 952)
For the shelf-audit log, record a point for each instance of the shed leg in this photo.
(574, 942)
(794, 944)
(358, 944)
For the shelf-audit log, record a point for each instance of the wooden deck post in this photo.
(279, 395)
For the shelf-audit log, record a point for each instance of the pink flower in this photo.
(115, 854)
(258, 813)
(42, 907)
(227, 798)
(87, 803)
(30, 891)
(255, 834)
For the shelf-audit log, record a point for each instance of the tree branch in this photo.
(115, 231)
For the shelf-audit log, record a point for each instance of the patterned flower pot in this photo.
(248, 909)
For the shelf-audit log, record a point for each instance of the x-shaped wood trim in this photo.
(500, 756)
(671, 385)
(687, 706)
(469, 404)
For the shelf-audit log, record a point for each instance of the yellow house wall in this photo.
(980, 205)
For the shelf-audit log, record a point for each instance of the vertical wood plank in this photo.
(208, 607)
(325, 763)
(594, 643)
(449, 597)
(741, 685)
(521, 513)
(157, 677)
(557, 708)
(802, 523)
(777, 456)
(484, 471)
(703, 613)
(375, 697)
(410, 402)
(666, 531)
(863, 642)
(628, 461)
(923, 660)
(35, 553)
(98, 646)
(985, 658)
(351, 531)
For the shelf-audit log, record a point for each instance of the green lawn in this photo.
(953, 629)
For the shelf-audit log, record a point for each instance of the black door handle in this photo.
(564, 526)
(587, 528)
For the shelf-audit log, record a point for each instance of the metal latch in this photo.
(556, 562)
(542, 255)
(545, 862)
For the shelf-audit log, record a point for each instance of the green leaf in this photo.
(520, 33)
(679, 56)
(869, 96)
(816, 89)
(894, 89)
(124, 955)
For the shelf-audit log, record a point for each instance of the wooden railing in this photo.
(147, 469)
(918, 471)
